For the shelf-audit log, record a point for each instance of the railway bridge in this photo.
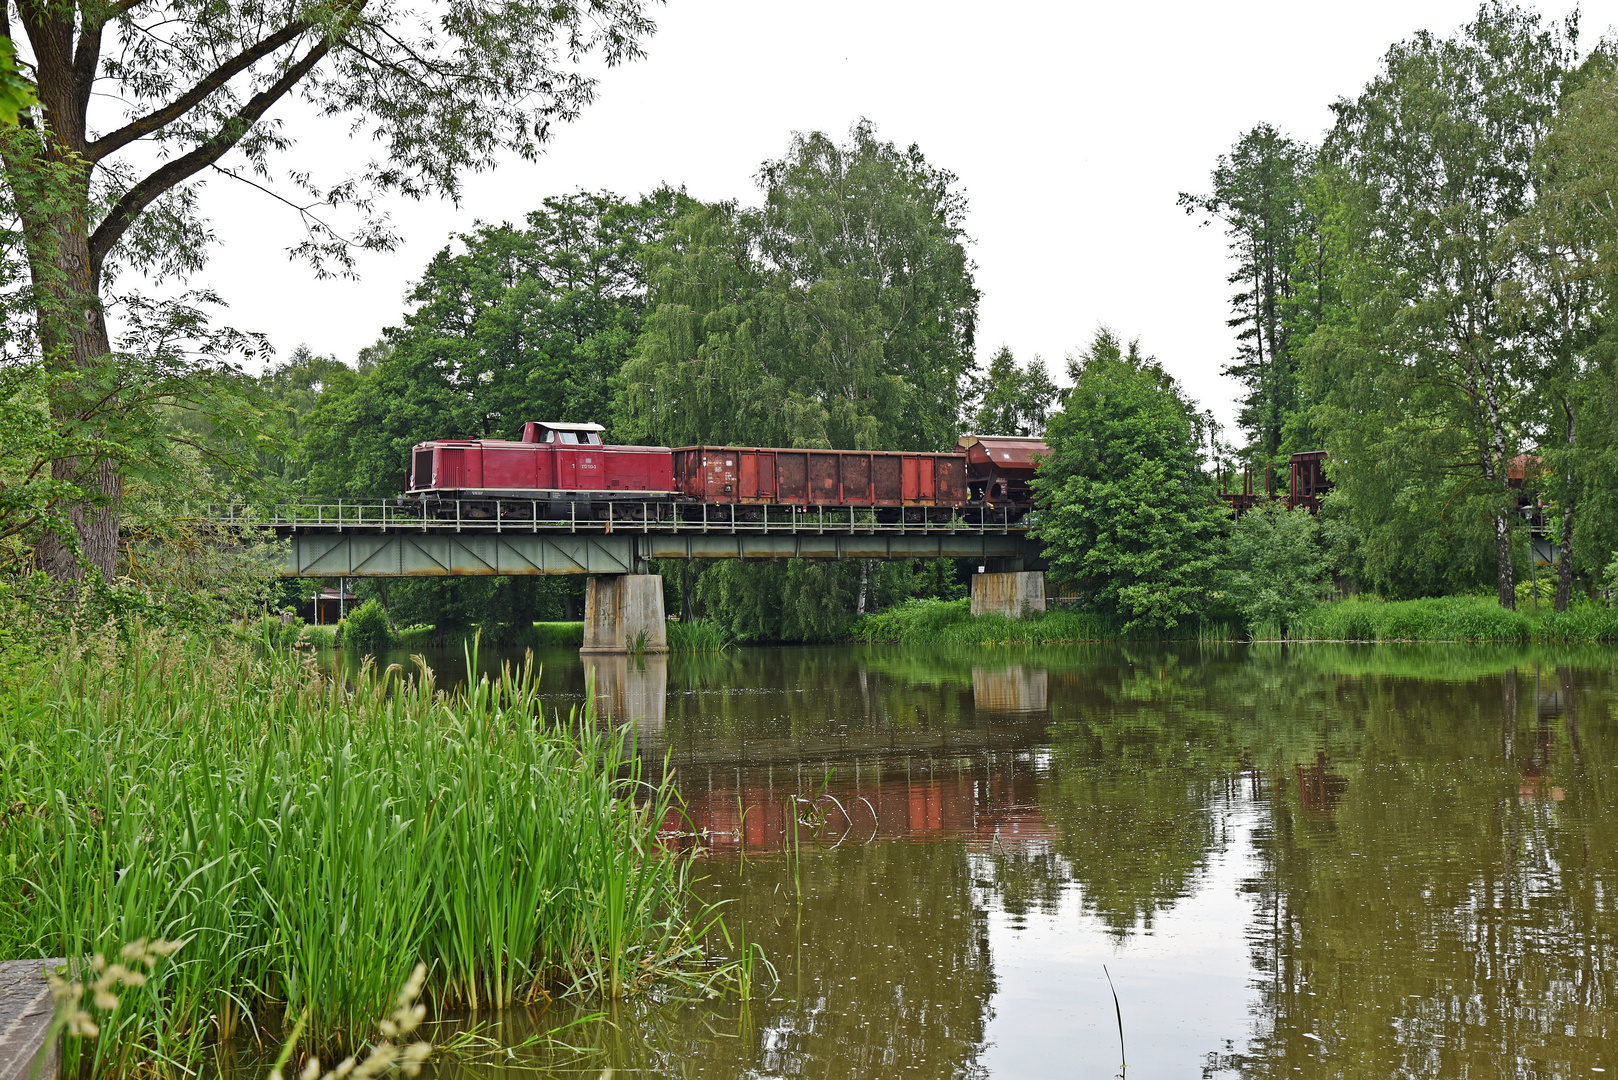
(623, 601)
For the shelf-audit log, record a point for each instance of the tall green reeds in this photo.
(1451, 618)
(698, 635)
(309, 841)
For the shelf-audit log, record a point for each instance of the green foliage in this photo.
(366, 629)
(1016, 400)
(16, 92)
(1261, 191)
(1449, 618)
(1127, 515)
(311, 842)
(1452, 618)
(1419, 386)
(1564, 251)
(839, 314)
(1275, 567)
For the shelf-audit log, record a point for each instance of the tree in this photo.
(1015, 400)
(839, 314)
(1260, 192)
(1565, 251)
(1275, 570)
(1127, 514)
(441, 95)
(1435, 155)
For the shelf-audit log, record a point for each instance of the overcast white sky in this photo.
(1072, 127)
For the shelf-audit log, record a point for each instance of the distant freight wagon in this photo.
(561, 471)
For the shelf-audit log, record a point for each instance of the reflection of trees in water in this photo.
(1455, 916)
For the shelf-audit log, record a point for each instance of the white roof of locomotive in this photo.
(554, 425)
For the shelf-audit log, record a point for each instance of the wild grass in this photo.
(1451, 618)
(548, 634)
(310, 840)
(699, 635)
(951, 622)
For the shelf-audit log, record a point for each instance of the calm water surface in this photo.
(1324, 861)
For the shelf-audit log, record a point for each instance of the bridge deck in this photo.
(523, 516)
(380, 539)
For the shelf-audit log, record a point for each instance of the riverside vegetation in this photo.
(309, 842)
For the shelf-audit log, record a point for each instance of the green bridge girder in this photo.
(402, 553)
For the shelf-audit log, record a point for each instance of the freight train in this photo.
(560, 471)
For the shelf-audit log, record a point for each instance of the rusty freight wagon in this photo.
(555, 471)
(917, 485)
(1001, 467)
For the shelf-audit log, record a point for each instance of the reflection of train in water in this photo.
(562, 471)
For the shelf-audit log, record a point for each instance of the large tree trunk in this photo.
(47, 171)
(75, 346)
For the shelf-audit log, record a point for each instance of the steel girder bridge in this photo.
(384, 539)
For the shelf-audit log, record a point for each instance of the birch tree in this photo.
(1438, 154)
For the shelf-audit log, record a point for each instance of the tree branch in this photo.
(152, 121)
(137, 198)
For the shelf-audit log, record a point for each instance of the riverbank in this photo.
(311, 842)
(1450, 618)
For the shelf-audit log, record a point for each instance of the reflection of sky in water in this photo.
(1183, 986)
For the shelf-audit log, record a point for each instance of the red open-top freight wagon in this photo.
(760, 476)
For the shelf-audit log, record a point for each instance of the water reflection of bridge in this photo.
(987, 798)
(630, 689)
(745, 789)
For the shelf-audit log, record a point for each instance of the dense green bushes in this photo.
(310, 843)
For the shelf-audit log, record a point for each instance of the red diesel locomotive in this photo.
(562, 471)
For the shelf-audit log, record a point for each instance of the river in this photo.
(1324, 860)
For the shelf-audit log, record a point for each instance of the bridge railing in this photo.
(526, 515)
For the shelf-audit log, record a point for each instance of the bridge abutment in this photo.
(624, 613)
(1010, 594)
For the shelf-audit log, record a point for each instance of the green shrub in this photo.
(366, 629)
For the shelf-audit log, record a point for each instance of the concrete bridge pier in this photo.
(1012, 593)
(624, 613)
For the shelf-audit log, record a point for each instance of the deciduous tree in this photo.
(206, 88)
(1127, 513)
(1436, 157)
